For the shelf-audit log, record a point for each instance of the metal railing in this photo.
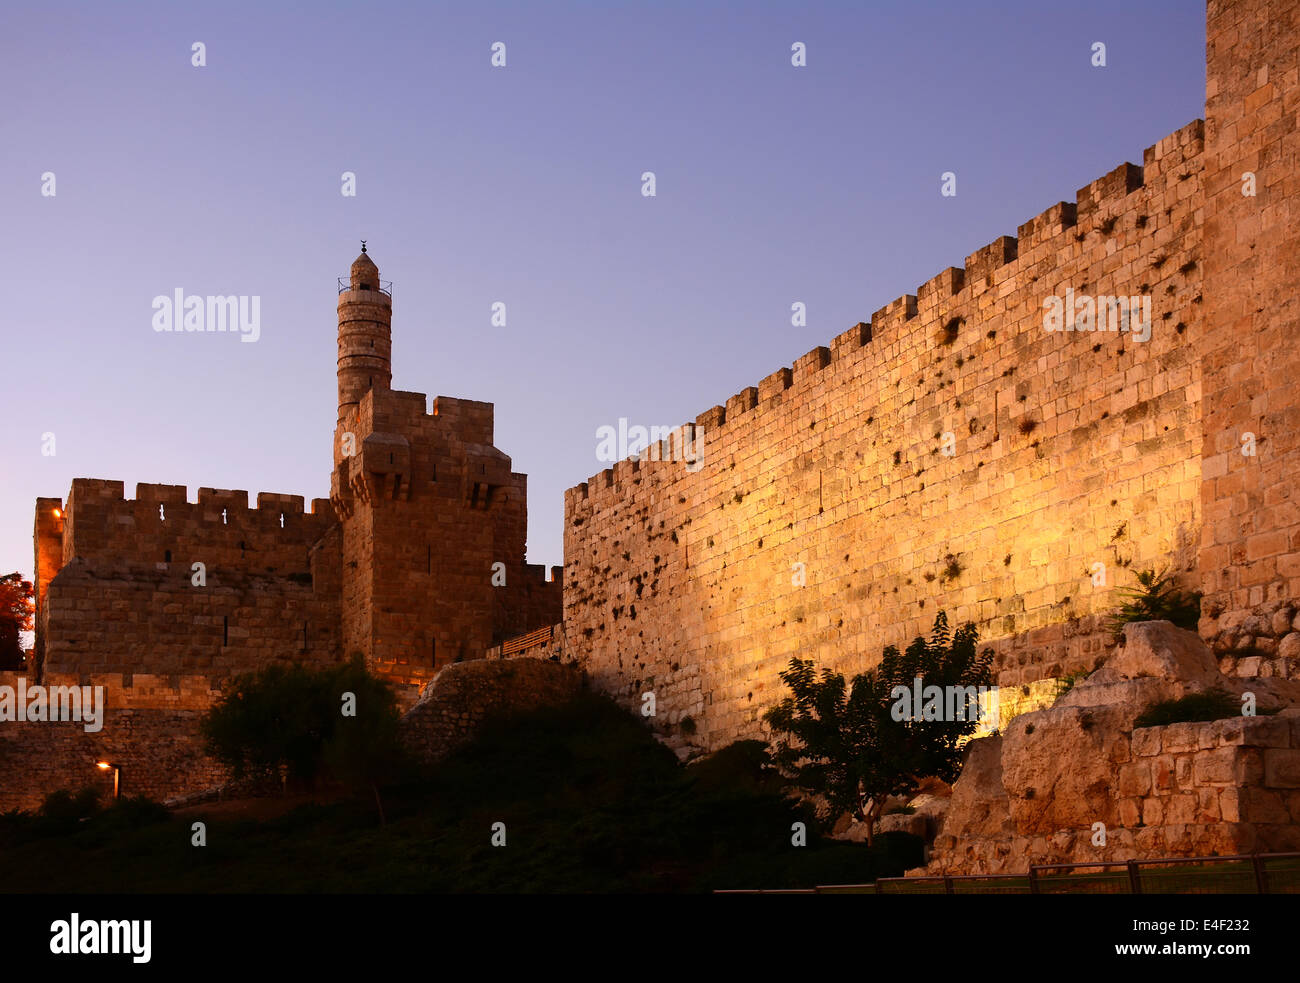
(522, 642)
(1256, 873)
(385, 286)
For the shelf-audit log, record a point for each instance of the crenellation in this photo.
(807, 366)
(943, 285)
(712, 419)
(1045, 227)
(87, 489)
(894, 313)
(843, 345)
(1106, 191)
(223, 497)
(415, 561)
(775, 384)
(959, 451)
(161, 494)
(741, 403)
(985, 260)
(837, 471)
(277, 502)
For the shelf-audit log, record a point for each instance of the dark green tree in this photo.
(365, 751)
(855, 746)
(302, 724)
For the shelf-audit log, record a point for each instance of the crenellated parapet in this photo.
(902, 330)
(954, 452)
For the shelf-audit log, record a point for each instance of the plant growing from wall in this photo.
(1213, 704)
(1157, 598)
(848, 745)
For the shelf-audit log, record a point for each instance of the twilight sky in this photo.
(519, 185)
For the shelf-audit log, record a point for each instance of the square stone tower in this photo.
(434, 520)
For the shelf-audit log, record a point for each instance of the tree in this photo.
(296, 723)
(855, 747)
(16, 608)
(365, 749)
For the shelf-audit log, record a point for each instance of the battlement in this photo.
(133, 691)
(469, 421)
(891, 335)
(161, 525)
(97, 491)
(956, 452)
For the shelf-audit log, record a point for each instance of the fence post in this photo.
(1261, 878)
(1134, 880)
(947, 885)
(1033, 880)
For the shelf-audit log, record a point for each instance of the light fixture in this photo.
(117, 775)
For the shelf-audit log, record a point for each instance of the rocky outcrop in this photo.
(1077, 782)
(464, 695)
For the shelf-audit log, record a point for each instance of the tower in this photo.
(365, 334)
(432, 520)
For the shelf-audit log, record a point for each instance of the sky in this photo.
(520, 185)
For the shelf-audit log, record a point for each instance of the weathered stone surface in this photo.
(1289, 647)
(416, 561)
(1180, 789)
(464, 695)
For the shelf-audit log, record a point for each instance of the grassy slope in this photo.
(590, 800)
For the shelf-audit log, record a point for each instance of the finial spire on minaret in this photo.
(363, 245)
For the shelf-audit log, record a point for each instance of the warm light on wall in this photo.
(117, 775)
(58, 513)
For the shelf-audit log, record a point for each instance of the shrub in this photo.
(287, 722)
(1157, 598)
(1213, 704)
(69, 807)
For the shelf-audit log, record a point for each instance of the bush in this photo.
(286, 722)
(66, 807)
(1213, 704)
(1157, 598)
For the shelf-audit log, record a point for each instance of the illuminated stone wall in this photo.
(1070, 449)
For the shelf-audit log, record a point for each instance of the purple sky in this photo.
(521, 185)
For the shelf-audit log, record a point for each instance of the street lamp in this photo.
(117, 775)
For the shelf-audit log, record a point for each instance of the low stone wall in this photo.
(1036, 793)
(466, 694)
(1233, 782)
(159, 753)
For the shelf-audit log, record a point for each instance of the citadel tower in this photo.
(433, 519)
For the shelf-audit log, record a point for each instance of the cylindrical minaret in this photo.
(365, 335)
